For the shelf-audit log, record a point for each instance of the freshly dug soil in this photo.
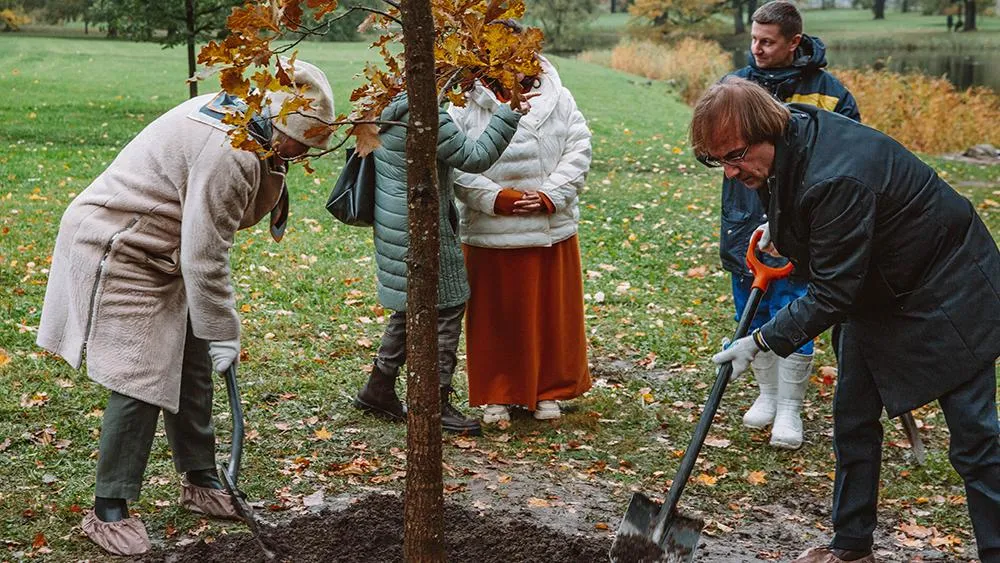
(371, 531)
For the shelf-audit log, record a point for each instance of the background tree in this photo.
(970, 16)
(564, 21)
(878, 8)
(665, 17)
(168, 22)
(447, 45)
(738, 26)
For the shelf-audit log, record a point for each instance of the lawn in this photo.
(857, 29)
(657, 308)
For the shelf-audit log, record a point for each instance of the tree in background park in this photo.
(564, 21)
(447, 45)
(664, 17)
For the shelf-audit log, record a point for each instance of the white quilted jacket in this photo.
(550, 152)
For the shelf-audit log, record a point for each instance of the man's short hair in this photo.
(782, 13)
(736, 106)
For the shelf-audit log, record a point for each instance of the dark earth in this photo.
(371, 531)
(482, 528)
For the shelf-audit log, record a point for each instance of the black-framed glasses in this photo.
(734, 158)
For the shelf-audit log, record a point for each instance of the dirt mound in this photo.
(371, 531)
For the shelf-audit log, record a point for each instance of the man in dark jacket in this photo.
(902, 261)
(789, 64)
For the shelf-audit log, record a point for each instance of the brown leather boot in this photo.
(378, 396)
(452, 419)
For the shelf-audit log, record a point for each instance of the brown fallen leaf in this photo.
(717, 442)
(756, 478)
(323, 434)
(915, 530)
(535, 502)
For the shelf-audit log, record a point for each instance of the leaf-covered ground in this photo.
(657, 306)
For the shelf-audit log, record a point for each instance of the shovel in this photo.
(231, 473)
(650, 533)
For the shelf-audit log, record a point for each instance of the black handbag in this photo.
(352, 200)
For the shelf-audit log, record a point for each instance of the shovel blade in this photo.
(636, 541)
(245, 511)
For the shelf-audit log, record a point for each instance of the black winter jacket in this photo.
(890, 248)
(803, 82)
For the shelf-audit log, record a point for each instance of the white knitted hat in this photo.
(320, 97)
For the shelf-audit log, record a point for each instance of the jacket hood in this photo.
(541, 106)
(397, 108)
(810, 56)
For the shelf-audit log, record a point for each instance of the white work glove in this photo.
(223, 353)
(765, 237)
(740, 353)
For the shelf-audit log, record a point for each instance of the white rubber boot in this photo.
(765, 370)
(793, 378)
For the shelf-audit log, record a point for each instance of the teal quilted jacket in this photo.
(455, 150)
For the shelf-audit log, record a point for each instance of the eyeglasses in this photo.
(734, 158)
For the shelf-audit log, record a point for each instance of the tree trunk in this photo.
(192, 60)
(970, 15)
(879, 8)
(423, 514)
(904, 6)
(752, 7)
(738, 27)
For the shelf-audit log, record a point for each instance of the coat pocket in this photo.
(167, 263)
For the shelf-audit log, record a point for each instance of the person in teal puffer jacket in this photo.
(455, 150)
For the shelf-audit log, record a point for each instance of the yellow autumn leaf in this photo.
(706, 479)
(323, 434)
(245, 308)
(756, 478)
(4, 357)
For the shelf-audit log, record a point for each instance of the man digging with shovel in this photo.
(901, 260)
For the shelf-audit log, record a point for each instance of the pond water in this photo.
(962, 69)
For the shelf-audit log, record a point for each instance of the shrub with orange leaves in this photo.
(925, 114)
(693, 64)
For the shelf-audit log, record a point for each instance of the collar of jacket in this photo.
(810, 57)
(542, 106)
(792, 153)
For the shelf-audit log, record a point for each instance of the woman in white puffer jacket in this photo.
(525, 335)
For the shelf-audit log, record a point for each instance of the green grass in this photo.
(311, 323)
(856, 29)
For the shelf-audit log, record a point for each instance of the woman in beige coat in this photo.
(140, 286)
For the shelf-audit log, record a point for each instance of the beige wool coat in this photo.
(146, 246)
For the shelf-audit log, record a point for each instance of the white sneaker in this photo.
(547, 410)
(495, 413)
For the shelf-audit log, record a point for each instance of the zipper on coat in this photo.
(97, 280)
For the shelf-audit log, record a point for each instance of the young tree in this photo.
(423, 518)
(738, 27)
(169, 22)
(447, 44)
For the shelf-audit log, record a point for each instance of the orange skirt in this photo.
(524, 330)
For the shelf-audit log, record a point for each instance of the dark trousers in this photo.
(392, 350)
(971, 414)
(129, 425)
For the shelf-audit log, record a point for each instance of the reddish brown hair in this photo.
(737, 107)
